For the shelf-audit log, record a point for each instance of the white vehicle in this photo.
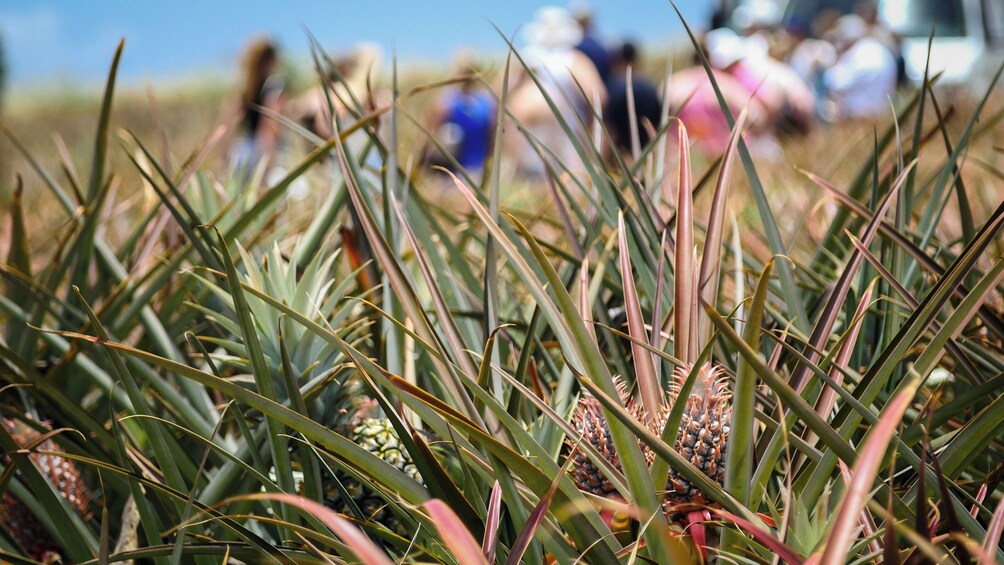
(968, 44)
(968, 36)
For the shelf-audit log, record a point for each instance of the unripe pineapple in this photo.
(704, 429)
(378, 436)
(591, 424)
(15, 518)
(701, 438)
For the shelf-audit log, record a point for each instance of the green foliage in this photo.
(205, 360)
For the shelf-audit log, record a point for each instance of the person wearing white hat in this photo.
(724, 47)
(864, 76)
(550, 53)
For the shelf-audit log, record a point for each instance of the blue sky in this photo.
(50, 41)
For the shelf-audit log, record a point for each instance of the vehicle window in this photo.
(912, 18)
(809, 10)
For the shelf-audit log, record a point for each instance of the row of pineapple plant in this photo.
(234, 379)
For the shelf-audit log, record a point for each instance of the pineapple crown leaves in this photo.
(711, 387)
(313, 291)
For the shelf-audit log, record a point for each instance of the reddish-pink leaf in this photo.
(644, 366)
(491, 539)
(364, 549)
(868, 527)
(832, 309)
(828, 398)
(685, 344)
(455, 535)
(536, 517)
(584, 310)
(711, 256)
(660, 271)
(980, 496)
(777, 546)
(994, 530)
(870, 456)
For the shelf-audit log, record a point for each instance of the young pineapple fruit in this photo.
(378, 436)
(591, 424)
(341, 405)
(16, 520)
(702, 437)
(704, 429)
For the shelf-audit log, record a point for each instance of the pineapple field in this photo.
(668, 358)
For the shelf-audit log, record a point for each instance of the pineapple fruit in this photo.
(702, 437)
(704, 429)
(378, 436)
(17, 522)
(591, 424)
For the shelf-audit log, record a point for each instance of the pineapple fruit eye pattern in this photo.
(363, 344)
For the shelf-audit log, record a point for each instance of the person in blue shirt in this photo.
(589, 45)
(464, 122)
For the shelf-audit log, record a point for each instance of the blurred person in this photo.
(346, 82)
(692, 99)
(734, 55)
(311, 109)
(463, 121)
(810, 55)
(647, 102)
(589, 45)
(863, 78)
(868, 11)
(721, 14)
(787, 99)
(824, 21)
(346, 91)
(564, 74)
(756, 21)
(263, 87)
(809, 58)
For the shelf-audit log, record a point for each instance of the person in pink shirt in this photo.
(692, 99)
(786, 97)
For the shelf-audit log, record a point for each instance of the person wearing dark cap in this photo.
(589, 45)
(626, 79)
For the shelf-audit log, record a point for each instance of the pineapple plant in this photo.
(702, 432)
(16, 520)
(338, 401)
